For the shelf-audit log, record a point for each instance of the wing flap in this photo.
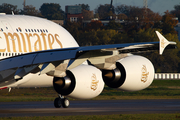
(21, 72)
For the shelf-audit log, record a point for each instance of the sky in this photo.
(159, 6)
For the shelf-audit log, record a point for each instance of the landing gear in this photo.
(61, 101)
(57, 102)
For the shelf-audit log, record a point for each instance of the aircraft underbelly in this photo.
(37, 80)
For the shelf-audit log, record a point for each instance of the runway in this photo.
(89, 107)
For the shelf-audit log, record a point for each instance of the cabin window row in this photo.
(10, 54)
(30, 30)
(36, 30)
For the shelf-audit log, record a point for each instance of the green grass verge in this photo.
(103, 117)
(160, 89)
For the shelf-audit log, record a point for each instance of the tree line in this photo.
(139, 25)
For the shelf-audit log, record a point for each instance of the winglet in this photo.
(163, 42)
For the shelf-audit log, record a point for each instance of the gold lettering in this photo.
(15, 35)
(50, 41)
(145, 74)
(2, 50)
(94, 83)
(7, 42)
(29, 42)
(57, 40)
(162, 43)
(37, 42)
(44, 40)
(24, 42)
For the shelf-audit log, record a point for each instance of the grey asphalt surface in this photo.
(89, 107)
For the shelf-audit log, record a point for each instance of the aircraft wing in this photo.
(24, 64)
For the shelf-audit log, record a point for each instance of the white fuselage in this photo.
(23, 34)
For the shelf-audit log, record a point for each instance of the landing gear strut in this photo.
(61, 101)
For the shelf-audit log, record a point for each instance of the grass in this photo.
(175, 116)
(160, 89)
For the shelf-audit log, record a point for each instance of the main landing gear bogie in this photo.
(61, 101)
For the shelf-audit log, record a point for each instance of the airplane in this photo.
(35, 52)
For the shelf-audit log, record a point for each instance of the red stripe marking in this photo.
(3, 88)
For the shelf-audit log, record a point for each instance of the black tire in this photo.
(65, 102)
(57, 102)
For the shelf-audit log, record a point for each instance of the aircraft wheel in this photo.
(65, 102)
(57, 102)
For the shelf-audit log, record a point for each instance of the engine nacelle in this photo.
(82, 82)
(133, 73)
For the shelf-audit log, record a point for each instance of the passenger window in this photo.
(17, 30)
(38, 30)
(29, 30)
(26, 30)
(1, 29)
(32, 30)
(47, 31)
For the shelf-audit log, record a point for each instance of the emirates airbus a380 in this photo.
(35, 52)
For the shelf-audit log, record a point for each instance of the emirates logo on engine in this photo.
(145, 74)
(94, 83)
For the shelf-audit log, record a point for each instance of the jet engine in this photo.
(132, 73)
(82, 82)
